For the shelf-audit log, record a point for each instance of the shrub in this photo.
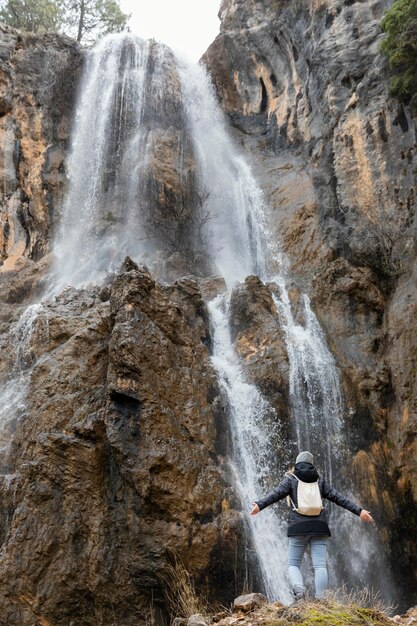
(400, 46)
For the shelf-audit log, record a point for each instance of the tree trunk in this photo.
(81, 20)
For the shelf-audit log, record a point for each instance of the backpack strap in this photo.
(288, 474)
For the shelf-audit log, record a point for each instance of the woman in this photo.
(304, 530)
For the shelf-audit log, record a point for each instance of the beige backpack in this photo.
(308, 498)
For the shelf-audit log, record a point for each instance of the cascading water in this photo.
(100, 220)
(254, 424)
(123, 98)
(14, 388)
(235, 236)
(317, 409)
(316, 399)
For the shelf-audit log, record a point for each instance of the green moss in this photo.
(327, 614)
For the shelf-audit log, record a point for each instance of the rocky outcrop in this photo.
(116, 467)
(336, 158)
(260, 342)
(38, 75)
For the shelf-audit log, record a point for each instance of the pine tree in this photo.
(87, 19)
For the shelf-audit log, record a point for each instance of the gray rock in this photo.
(197, 620)
(249, 602)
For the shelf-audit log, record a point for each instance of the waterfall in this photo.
(254, 425)
(235, 236)
(316, 398)
(14, 389)
(239, 243)
(121, 88)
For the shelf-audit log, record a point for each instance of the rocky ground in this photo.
(253, 609)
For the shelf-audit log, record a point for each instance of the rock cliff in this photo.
(38, 77)
(336, 157)
(118, 464)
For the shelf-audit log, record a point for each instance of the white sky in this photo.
(187, 26)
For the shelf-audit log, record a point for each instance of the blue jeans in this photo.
(296, 548)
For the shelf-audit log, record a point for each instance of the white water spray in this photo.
(235, 236)
(14, 389)
(251, 420)
(101, 215)
(316, 398)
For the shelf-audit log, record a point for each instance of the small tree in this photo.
(88, 19)
(180, 219)
(31, 15)
(400, 45)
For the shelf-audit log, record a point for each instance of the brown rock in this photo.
(260, 341)
(115, 467)
(37, 78)
(249, 602)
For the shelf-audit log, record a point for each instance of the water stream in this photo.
(240, 244)
(14, 389)
(254, 425)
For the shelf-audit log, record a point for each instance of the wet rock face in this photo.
(259, 340)
(312, 90)
(38, 75)
(336, 157)
(115, 467)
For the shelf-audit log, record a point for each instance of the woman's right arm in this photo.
(280, 492)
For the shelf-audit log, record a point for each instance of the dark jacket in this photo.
(307, 524)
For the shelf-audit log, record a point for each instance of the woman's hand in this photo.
(366, 517)
(255, 509)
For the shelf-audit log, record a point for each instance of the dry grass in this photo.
(365, 598)
(180, 591)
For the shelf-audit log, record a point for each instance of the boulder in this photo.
(249, 602)
(197, 620)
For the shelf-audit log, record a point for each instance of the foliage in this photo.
(400, 45)
(85, 20)
(31, 15)
(180, 219)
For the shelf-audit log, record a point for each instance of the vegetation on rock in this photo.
(400, 45)
(85, 20)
